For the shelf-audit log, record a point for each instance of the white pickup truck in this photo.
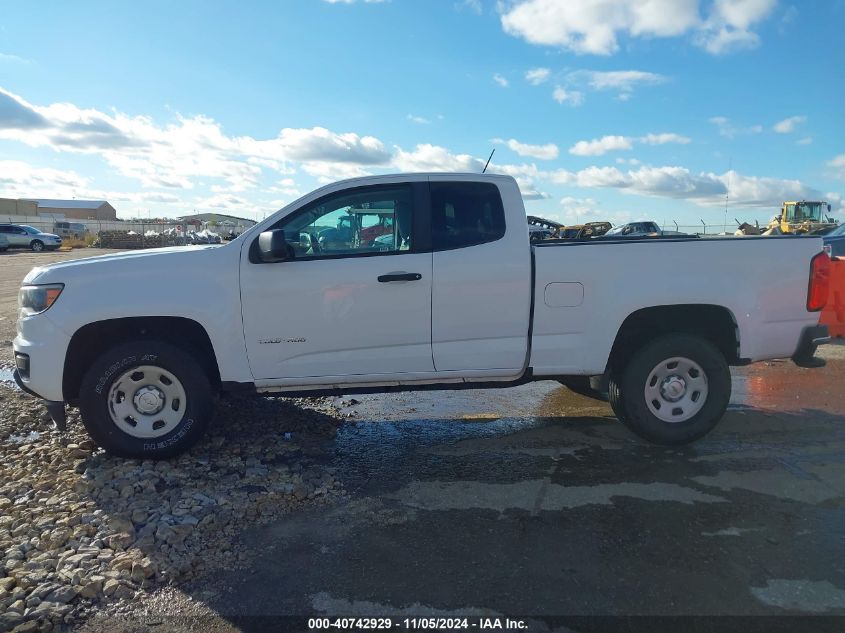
(413, 281)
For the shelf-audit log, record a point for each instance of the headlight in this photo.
(37, 299)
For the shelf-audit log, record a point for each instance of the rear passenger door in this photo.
(481, 293)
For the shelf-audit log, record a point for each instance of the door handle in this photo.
(399, 277)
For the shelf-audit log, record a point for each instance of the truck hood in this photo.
(170, 261)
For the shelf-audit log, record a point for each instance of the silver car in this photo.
(25, 236)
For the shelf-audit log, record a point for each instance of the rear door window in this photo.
(465, 214)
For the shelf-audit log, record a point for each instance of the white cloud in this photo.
(179, 153)
(622, 80)
(664, 138)
(600, 146)
(727, 29)
(572, 97)
(543, 152)
(592, 26)
(326, 172)
(433, 158)
(536, 76)
(704, 189)
(418, 119)
(7, 58)
(577, 209)
(472, 5)
(727, 129)
(837, 166)
(787, 126)
(805, 141)
(595, 26)
(501, 80)
(19, 179)
(427, 157)
(526, 176)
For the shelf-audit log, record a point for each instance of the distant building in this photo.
(10, 206)
(76, 209)
(220, 218)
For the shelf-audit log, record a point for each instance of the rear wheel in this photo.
(145, 399)
(674, 390)
(37, 246)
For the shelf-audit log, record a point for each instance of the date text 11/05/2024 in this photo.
(432, 623)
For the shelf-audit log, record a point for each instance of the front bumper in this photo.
(811, 338)
(46, 345)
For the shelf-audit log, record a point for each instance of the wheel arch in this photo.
(714, 323)
(91, 340)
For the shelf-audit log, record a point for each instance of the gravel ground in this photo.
(80, 529)
(81, 532)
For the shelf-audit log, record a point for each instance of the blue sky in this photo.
(602, 109)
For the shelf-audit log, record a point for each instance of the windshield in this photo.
(839, 230)
(804, 211)
(616, 230)
(29, 229)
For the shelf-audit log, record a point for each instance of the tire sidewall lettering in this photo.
(121, 364)
(180, 432)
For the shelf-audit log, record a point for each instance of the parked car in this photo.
(584, 231)
(460, 298)
(635, 229)
(75, 230)
(4, 242)
(24, 236)
(834, 241)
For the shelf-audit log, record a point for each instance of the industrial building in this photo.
(69, 209)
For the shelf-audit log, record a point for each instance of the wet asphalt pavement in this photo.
(536, 501)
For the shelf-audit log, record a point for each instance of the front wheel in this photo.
(674, 390)
(37, 246)
(145, 399)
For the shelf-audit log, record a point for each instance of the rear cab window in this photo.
(465, 214)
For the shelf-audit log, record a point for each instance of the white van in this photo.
(70, 229)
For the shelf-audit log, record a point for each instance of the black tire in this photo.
(585, 386)
(95, 408)
(37, 246)
(627, 393)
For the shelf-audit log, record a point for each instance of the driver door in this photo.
(345, 305)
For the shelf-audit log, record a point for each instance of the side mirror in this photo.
(273, 247)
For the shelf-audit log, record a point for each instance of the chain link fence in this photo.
(129, 234)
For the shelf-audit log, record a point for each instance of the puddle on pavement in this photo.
(377, 452)
(781, 386)
(6, 376)
(390, 428)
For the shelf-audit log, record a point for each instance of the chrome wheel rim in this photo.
(676, 389)
(147, 402)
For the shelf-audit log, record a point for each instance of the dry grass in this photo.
(70, 243)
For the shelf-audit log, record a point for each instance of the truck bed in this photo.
(585, 290)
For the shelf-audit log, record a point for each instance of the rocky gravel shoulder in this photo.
(82, 532)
